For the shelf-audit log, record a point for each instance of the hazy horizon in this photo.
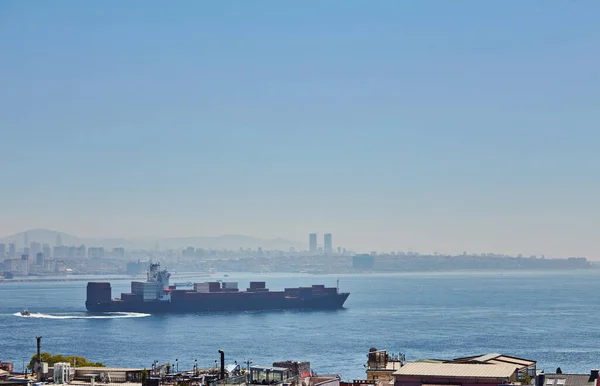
(392, 125)
(293, 242)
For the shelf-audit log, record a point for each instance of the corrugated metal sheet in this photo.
(457, 370)
(519, 361)
(497, 358)
(487, 357)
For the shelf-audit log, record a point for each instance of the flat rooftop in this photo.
(456, 370)
(105, 369)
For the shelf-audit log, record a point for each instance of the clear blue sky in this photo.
(432, 125)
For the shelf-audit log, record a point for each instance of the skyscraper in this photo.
(312, 242)
(327, 245)
(47, 251)
(34, 248)
(12, 251)
(2, 250)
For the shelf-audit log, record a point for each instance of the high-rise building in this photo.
(34, 248)
(79, 252)
(12, 251)
(58, 240)
(46, 251)
(327, 245)
(312, 242)
(60, 252)
(95, 252)
(2, 250)
(39, 259)
(119, 252)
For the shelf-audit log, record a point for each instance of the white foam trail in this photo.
(111, 315)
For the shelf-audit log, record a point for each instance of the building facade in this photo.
(327, 244)
(312, 242)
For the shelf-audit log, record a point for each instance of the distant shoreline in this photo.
(38, 279)
(218, 276)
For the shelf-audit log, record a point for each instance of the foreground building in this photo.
(381, 366)
(455, 374)
(526, 367)
(591, 379)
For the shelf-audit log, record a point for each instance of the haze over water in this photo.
(395, 125)
(549, 317)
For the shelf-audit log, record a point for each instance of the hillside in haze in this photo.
(46, 236)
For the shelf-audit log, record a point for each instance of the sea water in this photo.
(550, 317)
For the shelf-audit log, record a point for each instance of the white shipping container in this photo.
(149, 296)
(202, 287)
(230, 285)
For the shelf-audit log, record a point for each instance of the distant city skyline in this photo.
(315, 243)
(393, 125)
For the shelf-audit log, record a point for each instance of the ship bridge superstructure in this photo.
(155, 275)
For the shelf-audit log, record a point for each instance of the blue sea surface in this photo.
(546, 316)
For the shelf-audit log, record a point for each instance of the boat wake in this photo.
(111, 315)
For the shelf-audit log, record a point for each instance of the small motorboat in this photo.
(25, 312)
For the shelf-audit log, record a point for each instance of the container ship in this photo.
(155, 295)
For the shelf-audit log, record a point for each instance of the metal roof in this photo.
(457, 370)
(518, 361)
(497, 358)
(568, 380)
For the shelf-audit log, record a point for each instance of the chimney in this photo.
(593, 375)
(38, 365)
(39, 346)
(541, 379)
(222, 364)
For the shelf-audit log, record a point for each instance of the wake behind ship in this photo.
(155, 295)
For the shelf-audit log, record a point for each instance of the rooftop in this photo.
(497, 359)
(567, 380)
(457, 370)
(105, 369)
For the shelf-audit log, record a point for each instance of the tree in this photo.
(168, 368)
(72, 360)
(144, 376)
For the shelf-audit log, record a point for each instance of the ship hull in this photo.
(241, 301)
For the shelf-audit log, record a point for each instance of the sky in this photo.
(433, 126)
